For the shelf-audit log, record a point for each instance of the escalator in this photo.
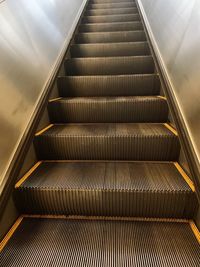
(107, 189)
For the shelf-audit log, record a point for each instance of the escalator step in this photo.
(108, 109)
(122, 141)
(110, 65)
(127, 4)
(110, 37)
(111, 18)
(64, 242)
(110, 50)
(121, 85)
(114, 11)
(111, 27)
(109, 1)
(107, 189)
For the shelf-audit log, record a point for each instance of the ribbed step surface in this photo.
(108, 109)
(107, 189)
(137, 141)
(109, 1)
(62, 242)
(110, 153)
(111, 18)
(121, 85)
(110, 37)
(110, 50)
(130, 4)
(114, 11)
(110, 65)
(111, 27)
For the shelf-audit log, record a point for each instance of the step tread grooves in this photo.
(111, 27)
(108, 154)
(110, 50)
(111, 5)
(109, 109)
(110, 37)
(110, 18)
(111, 129)
(110, 65)
(104, 125)
(118, 141)
(71, 187)
(134, 176)
(101, 243)
(142, 84)
(115, 11)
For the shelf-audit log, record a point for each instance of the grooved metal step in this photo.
(108, 109)
(110, 65)
(120, 141)
(110, 1)
(116, 85)
(62, 242)
(110, 50)
(114, 11)
(107, 189)
(110, 154)
(111, 18)
(112, 5)
(110, 37)
(111, 27)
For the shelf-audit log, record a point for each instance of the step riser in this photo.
(111, 5)
(111, 19)
(111, 27)
(117, 11)
(107, 50)
(108, 111)
(107, 148)
(113, 37)
(106, 203)
(110, 66)
(109, 86)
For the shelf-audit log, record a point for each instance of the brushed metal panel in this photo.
(175, 26)
(32, 34)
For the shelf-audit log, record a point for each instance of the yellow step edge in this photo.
(195, 230)
(23, 179)
(37, 216)
(162, 97)
(43, 130)
(54, 99)
(10, 233)
(169, 127)
(185, 176)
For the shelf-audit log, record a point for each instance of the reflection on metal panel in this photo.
(175, 25)
(32, 34)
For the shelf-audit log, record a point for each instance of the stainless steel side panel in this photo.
(176, 28)
(32, 35)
